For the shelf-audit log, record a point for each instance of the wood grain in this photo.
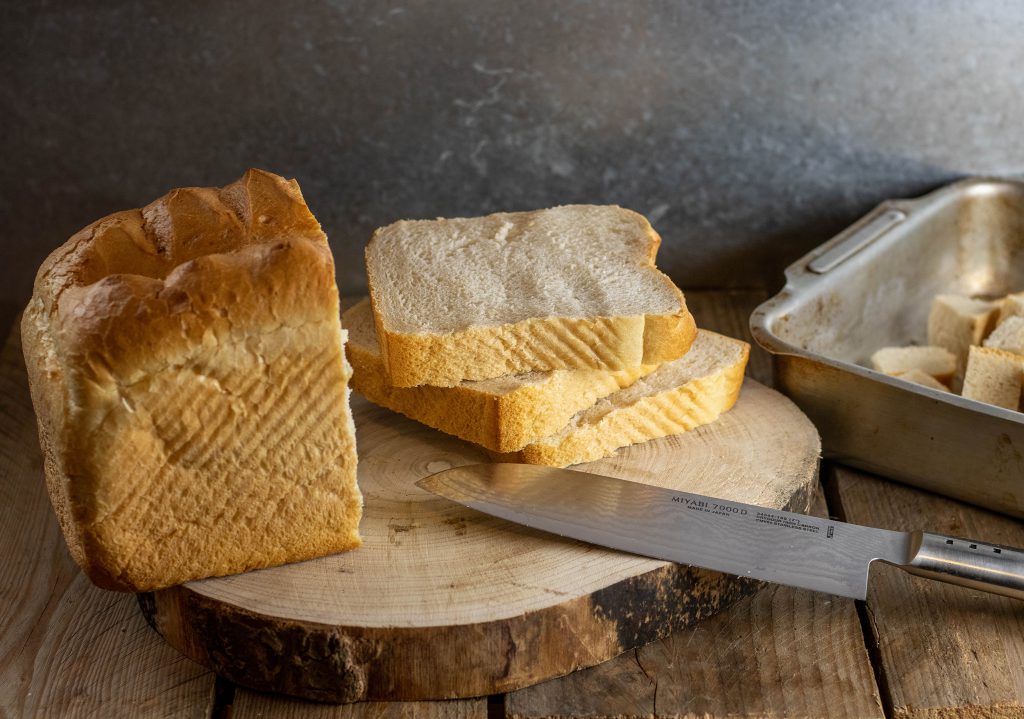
(728, 312)
(444, 602)
(254, 705)
(67, 648)
(945, 651)
(9, 312)
(782, 652)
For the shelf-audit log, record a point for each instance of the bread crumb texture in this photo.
(994, 376)
(187, 369)
(571, 287)
(1008, 336)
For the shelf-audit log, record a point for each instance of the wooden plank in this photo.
(9, 312)
(728, 312)
(782, 652)
(254, 705)
(945, 651)
(67, 648)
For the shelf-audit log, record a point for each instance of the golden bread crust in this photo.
(157, 341)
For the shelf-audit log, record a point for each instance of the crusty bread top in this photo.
(182, 225)
(576, 261)
(194, 262)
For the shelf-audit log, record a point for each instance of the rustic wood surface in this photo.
(944, 651)
(783, 652)
(254, 705)
(443, 602)
(102, 661)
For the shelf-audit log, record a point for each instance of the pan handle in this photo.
(860, 238)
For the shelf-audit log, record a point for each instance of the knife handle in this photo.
(988, 567)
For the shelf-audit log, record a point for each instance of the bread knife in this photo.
(742, 539)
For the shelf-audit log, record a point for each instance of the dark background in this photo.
(748, 132)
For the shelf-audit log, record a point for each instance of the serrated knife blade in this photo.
(768, 544)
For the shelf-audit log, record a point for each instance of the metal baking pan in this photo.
(871, 287)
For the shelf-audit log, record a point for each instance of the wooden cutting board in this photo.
(443, 602)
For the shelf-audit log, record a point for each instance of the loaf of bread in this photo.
(186, 365)
(571, 287)
(677, 397)
(502, 414)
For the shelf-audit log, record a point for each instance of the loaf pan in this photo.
(871, 287)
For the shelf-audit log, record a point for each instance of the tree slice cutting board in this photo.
(442, 602)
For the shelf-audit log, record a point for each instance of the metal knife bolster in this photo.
(988, 567)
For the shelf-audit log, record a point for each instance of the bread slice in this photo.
(187, 370)
(677, 397)
(938, 362)
(1011, 306)
(994, 376)
(502, 414)
(571, 287)
(1008, 336)
(956, 323)
(922, 378)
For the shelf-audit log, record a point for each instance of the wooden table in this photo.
(915, 648)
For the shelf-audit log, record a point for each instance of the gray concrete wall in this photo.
(747, 131)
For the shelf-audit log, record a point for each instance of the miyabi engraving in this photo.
(709, 507)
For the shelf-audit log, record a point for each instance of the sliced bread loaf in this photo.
(571, 287)
(188, 374)
(678, 396)
(501, 414)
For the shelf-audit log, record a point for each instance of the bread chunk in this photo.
(922, 378)
(938, 362)
(677, 397)
(994, 376)
(957, 322)
(571, 287)
(1008, 336)
(501, 414)
(1011, 306)
(187, 369)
